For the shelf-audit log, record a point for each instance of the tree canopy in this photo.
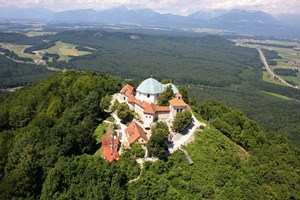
(42, 123)
(158, 143)
(182, 120)
(165, 97)
(124, 112)
(48, 150)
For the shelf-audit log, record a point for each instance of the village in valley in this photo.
(148, 112)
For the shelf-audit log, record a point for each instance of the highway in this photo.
(270, 71)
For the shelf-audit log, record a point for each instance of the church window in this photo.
(148, 95)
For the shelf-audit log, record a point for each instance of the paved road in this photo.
(263, 59)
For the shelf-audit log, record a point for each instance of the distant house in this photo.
(136, 134)
(110, 145)
(144, 102)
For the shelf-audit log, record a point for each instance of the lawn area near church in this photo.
(100, 131)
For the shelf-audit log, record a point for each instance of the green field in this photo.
(285, 53)
(277, 95)
(65, 50)
(38, 33)
(18, 49)
(296, 80)
(267, 79)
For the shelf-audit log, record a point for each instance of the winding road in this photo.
(270, 71)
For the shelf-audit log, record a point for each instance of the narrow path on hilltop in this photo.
(186, 137)
(141, 162)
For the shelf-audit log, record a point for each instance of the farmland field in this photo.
(296, 80)
(284, 49)
(211, 67)
(277, 95)
(65, 50)
(38, 33)
(18, 49)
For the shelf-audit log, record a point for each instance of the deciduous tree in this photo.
(182, 120)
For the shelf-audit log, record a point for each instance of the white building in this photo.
(150, 89)
(144, 102)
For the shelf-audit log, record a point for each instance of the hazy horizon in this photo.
(163, 6)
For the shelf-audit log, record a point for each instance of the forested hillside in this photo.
(47, 151)
(233, 159)
(14, 74)
(212, 67)
(48, 122)
(211, 59)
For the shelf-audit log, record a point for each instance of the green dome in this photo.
(174, 88)
(150, 86)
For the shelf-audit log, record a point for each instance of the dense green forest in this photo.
(209, 60)
(48, 150)
(212, 67)
(233, 159)
(14, 74)
(48, 122)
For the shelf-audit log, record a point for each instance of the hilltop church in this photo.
(144, 102)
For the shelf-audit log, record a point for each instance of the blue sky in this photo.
(183, 7)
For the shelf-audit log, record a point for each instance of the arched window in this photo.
(148, 95)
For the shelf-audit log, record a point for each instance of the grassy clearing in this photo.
(296, 79)
(98, 153)
(65, 50)
(54, 69)
(281, 66)
(286, 55)
(267, 79)
(38, 33)
(18, 49)
(100, 131)
(277, 95)
(110, 119)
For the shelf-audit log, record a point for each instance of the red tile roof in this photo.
(149, 108)
(162, 109)
(134, 132)
(177, 102)
(128, 88)
(131, 98)
(110, 147)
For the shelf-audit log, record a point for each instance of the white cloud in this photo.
(165, 6)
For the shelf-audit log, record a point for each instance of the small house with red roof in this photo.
(136, 134)
(177, 105)
(110, 146)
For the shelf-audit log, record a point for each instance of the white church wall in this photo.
(148, 120)
(174, 110)
(151, 98)
(139, 110)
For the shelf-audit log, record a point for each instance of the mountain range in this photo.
(240, 21)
